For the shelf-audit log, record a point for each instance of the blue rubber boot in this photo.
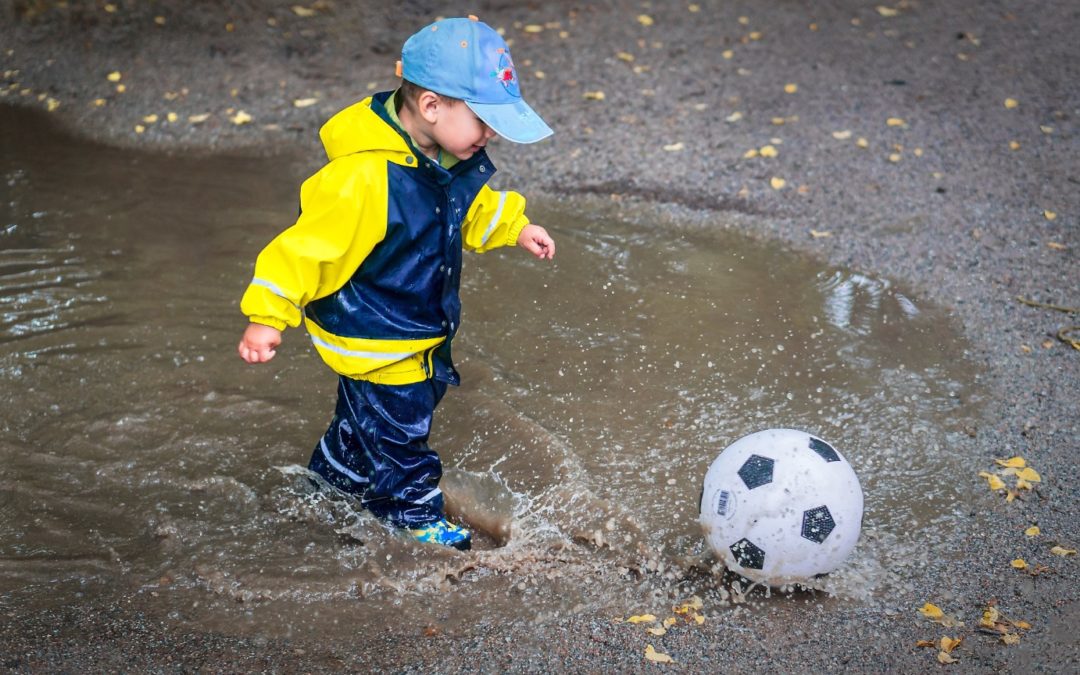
(443, 532)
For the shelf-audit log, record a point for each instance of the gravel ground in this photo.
(937, 199)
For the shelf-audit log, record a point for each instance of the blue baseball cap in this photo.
(466, 59)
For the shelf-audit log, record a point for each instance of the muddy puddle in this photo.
(141, 461)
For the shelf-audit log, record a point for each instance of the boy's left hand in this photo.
(537, 241)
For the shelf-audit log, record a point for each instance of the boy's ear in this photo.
(427, 103)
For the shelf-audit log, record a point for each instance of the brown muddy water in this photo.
(142, 462)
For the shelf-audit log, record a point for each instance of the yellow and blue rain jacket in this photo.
(373, 263)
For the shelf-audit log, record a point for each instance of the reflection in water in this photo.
(140, 459)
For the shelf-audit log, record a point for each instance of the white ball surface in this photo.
(781, 506)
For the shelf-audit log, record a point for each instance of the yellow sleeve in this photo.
(495, 219)
(343, 216)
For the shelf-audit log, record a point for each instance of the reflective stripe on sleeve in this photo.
(273, 289)
(494, 219)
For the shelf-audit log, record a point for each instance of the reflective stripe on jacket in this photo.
(373, 262)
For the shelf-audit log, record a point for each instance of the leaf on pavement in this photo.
(655, 656)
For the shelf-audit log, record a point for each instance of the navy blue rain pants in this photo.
(376, 448)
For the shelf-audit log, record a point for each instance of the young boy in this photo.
(373, 263)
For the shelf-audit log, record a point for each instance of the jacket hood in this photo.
(359, 128)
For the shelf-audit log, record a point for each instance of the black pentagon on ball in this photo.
(817, 523)
(824, 449)
(748, 554)
(756, 471)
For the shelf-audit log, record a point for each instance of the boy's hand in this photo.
(537, 241)
(258, 343)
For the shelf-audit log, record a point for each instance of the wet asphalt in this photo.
(931, 143)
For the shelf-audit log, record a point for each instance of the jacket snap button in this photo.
(483, 168)
(442, 268)
(444, 324)
(409, 159)
(437, 210)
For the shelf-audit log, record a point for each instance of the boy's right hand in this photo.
(259, 342)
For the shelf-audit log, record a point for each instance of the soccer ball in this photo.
(781, 506)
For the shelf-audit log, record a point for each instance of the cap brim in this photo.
(516, 122)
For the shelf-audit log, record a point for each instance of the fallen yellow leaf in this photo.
(755, 35)
(841, 135)
(674, 147)
(172, 117)
(52, 104)
(948, 644)
(887, 11)
(645, 20)
(1032, 531)
(150, 119)
(198, 119)
(99, 102)
(240, 117)
(641, 618)
(114, 76)
(1011, 638)
(655, 656)
(1013, 145)
(1012, 463)
(1046, 128)
(625, 56)
(139, 128)
(1029, 474)
(778, 121)
(931, 611)
(594, 95)
(895, 157)
(768, 151)
(693, 8)
(1019, 564)
(302, 11)
(1022, 625)
(693, 603)
(925, 643)
(791, 88)
(1022, 484)
(1011, 103)
(895, 122)
(1062, 551)
(819, 234)
(121, 88)
(777, 183)
(658, 631)
(1057, 246)
(751, 153)
(699, 619)
(304, 102)
(534, 28)
(945, 657)
(1049, 215)
(862, 143)
(995, 481)
(990, 617)
(727, 54)
(734, 117)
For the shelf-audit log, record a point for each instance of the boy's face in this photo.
(459, 131)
